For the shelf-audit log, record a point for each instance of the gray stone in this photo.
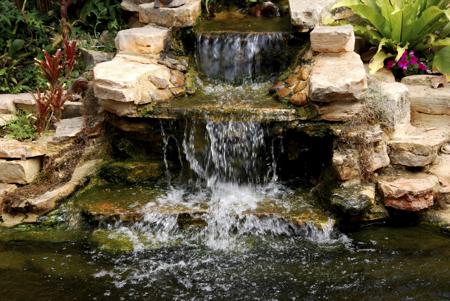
(144, 40)
(19, 171)
(13, 149)
(337, 77)
(428, 100)
(93, 57)
(332, 39)
(308, 13)
(118, 108)
(391, 102)
(183, 16)
(68, 128)
(353, 199)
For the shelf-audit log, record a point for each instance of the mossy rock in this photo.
(131, 172)
(112, 241)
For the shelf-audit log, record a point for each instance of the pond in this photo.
(384, 263)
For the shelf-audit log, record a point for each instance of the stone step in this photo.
(183, 16)
(337, 77)
(144, 40)
(425, 99)
(13, 149)
(416, 147)
(333, 39)
(408, 191)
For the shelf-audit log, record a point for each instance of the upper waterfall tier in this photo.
(254, 52)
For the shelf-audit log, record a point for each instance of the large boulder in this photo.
(144, 40)
(333, 39)
(305, 14)
(128, 79)
(337, 77)
(409, 191)
(183, 16)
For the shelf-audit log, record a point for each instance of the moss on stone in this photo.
(112, 241)
(131, 172)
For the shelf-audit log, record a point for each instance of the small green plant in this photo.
(21, 127)
(397, 25)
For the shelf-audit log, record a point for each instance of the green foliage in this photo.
(397, 25)
(21, 127)
(23, 33)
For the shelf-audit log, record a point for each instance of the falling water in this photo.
(241, 57)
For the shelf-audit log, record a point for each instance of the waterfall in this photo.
(241, 57)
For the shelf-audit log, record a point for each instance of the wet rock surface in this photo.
(353, 199)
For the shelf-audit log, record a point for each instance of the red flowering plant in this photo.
(56, 69)
(408, 64)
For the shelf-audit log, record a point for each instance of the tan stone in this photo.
(337, 77)
(177, 78)
(6, 188)
(300, 86)
(428, 100)
(340, 111)
(409, 191)
(144, 40)
(183, 16)
(5, 119)
(416, 147)
(333, 39)
(126, 79)
(13, 149)
(7, 104)
(158, 82)
(441, 169)
(118, 108)
(420, 79)
(160, 95)
(299, 99)
(346, 164)
(308, 13)
(19, 171)
(382, 75)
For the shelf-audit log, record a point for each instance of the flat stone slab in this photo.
(143, 40)
(126, 79)
(416, 147)
(337, 77)
(340, 111)
(428, 100)
(69, 128)
(421, 80)
(19, 171)
(183, 16)
(13, 149)
(308, 13)
(333, 39)
(409, 191)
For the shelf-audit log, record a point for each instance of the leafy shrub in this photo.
(397, 25)
(21, 127)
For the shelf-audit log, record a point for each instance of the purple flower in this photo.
(411, 53)
(390, 64)
(404, 55)
(423, 67)
(403, 63)
(413, 60)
